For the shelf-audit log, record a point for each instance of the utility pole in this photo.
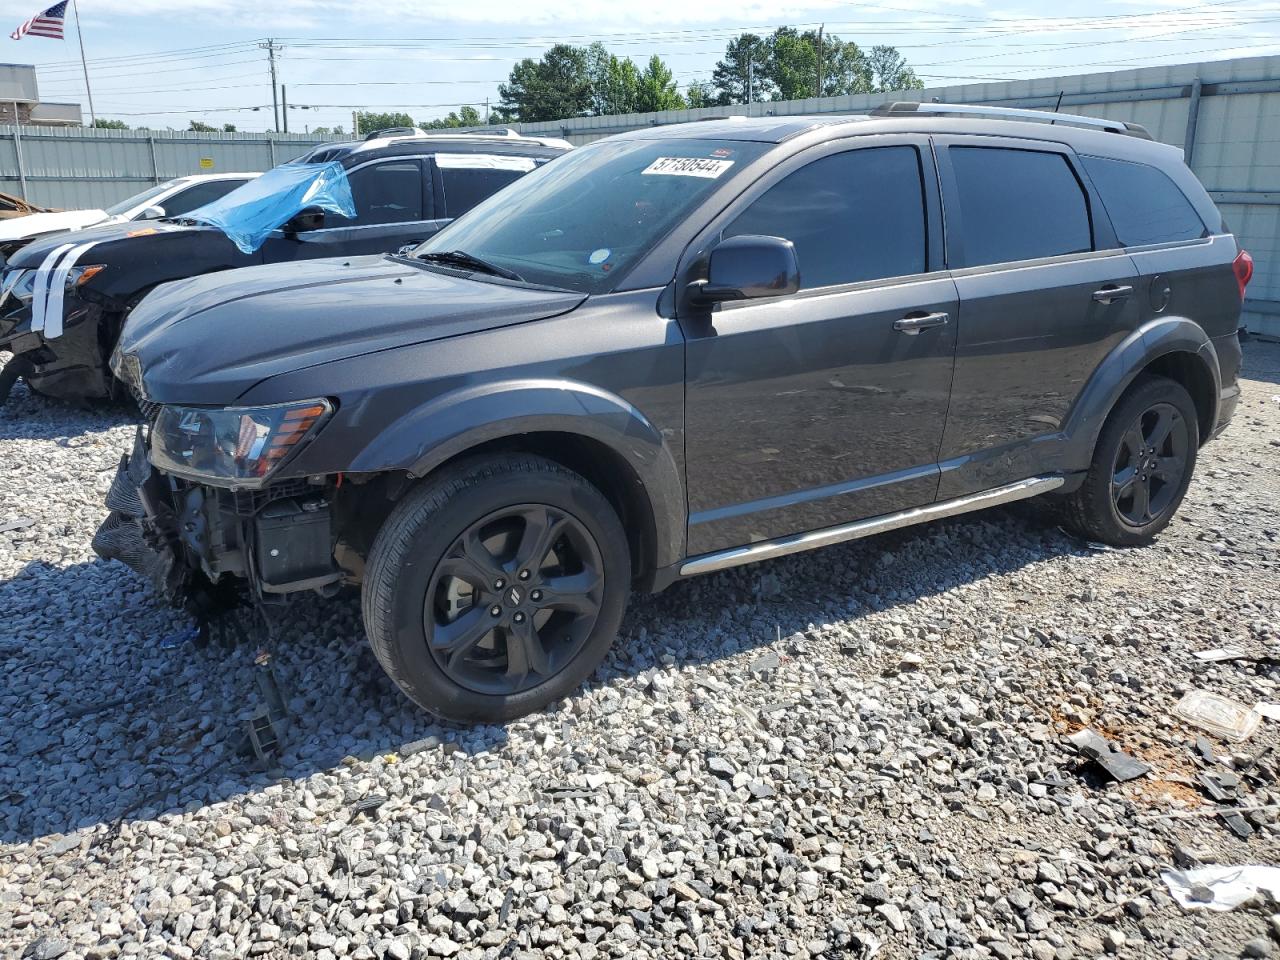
(486, 111)
(284, 108)
(821, 27)
(750, 66)
(355, 124)
(271, 47)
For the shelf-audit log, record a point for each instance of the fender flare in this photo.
(1146, 344)
(455, 422)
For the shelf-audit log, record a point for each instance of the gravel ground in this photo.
(858, 752)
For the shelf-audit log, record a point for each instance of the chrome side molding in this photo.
(797, 543)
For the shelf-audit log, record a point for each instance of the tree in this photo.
(615, 82)
(329, 131)
(890, 71)
(371, 121)
(467, 116)
(555, 87)
(228, 128)
(845, 68)
(199, 126)
(657, 88)
(792, 65)
(746, 56)
(700, 94)
(102, 123)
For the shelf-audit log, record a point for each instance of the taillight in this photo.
(1242, 267)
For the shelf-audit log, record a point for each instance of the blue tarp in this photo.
(248, 214)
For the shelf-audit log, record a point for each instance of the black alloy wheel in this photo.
(514, 599)
(496, 587)
(1150, 464)
(1142, 464)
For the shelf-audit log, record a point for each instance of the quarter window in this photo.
(1018, 205)
(387, 193)
(853, 216)
(1145, 206)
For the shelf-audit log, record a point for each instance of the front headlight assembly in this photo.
(233, 446)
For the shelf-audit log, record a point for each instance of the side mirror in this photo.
(312, 218)
(151, 213)
(749, 268)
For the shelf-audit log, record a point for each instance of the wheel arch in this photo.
(593, 432)
(1174, 347)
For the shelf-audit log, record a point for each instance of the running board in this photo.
(797, 543)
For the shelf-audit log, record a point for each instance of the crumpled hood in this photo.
(37, 223)
(209, 339)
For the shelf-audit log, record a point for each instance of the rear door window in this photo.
(1145, 206)
(853, 216)
(1018, 205)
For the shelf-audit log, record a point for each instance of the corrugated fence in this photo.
(78, 167)
(1225, 115)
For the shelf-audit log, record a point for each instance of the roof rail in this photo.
(391, 132)
(903, 107)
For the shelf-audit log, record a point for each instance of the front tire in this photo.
(1142, 466)
(496, 588)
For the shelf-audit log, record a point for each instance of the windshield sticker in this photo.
(702, 167)
(722, 152)
(599, 256)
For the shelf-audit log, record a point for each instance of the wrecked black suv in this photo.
(65, 297)
(674, 351)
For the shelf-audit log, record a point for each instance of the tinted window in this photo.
(1145, 206)
(185, 201)
(386, 193)
(1018, 205)
(852, 216)
(463, 189)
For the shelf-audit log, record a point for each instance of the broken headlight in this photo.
(233, 446)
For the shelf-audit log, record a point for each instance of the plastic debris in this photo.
(248, 214)
(1118, 764)
(1219, 654)
(1219, 715)
(182, 637)
(1269, 710)
(1221, 888)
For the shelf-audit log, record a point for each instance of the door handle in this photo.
(912, 324)
(1107, 294)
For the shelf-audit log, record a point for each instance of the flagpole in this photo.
(75, 9)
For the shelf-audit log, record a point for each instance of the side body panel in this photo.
(611, 371)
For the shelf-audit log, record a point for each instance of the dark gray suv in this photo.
(674, 351)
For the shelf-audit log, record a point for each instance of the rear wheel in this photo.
(1141, 466)
(497, 588)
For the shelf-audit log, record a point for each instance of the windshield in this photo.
(124, 206)
(585, 217)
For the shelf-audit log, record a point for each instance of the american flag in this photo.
(47, 24)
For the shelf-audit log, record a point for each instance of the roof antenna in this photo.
(1057, 106)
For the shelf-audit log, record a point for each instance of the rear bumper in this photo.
(1230, 356)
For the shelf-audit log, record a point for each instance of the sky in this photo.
(163, 64)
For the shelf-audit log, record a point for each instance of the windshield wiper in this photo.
(460, 258)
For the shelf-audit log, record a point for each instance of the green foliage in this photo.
(371, 121)
(228, 128)
(657, 88)
(466, 117)
(614, 81)
(700, 95)
(102, 123)
(555, 87)
(337, 131)
(199, 126)
(793, 65)
(745, 58)
(890, 71)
